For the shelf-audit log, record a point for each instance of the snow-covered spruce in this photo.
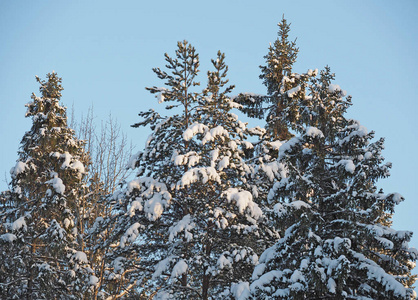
(266, 169)
(41, 215)
(337, 240)
(188, 215)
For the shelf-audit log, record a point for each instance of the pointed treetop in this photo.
(52, 87)
(280, 58)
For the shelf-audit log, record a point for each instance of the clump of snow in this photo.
(247, 145)
(160, 97)
(185, 224)
(178, 159)
(284, 181)
(223, 163)
(78, 165)
(232, 145)
(154, 207)
(154, 194)
(135, 205)
(18, 224)
(297, 276)
(214, 154)
(67, 160)
(194, 129)
(314, 132)
(348, 164)
(272, 170)
(331, 285)
(213, 133)
(244, 201)
(312, 72)
(118, 264)
(199, 174)
(356, 130)
(57, 184)
(286, 147)
(18, 168)
(335, 87)
(68, 223)
(93, 280)
(241, 290)
(396, 197)
(268, 254)
(8, 237)
(194, 159)
(257, 130)
(161, 267)
(224, 262)
(81, 257)
(304, 264)
(276, 144)
(179, 269)
(368, 155)
(160, 94)
(190, 159)
(292, 92)
(130, 235)
(18, 190)
(258, 271)
(282, 208)
(265, 279)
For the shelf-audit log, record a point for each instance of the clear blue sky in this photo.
(104, 50)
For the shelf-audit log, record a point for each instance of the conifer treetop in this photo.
(280, 59)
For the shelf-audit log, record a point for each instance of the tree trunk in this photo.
(205, 287)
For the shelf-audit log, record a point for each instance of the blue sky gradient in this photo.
(104, 50)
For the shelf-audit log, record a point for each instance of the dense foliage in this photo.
(217, 209)
(42, 213)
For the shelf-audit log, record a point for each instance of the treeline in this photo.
(217, 210)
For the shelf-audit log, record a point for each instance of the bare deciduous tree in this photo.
(108, 147)
(109, 151)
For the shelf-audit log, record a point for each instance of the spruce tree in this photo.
(41, 257)
(266, 169)
(280, 58)
(279, 62)
(188, 216)
(337, 240)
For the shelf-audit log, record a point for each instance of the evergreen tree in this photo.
(123, 272)
(41, 257)
(279, 62)
(280, 59)
(266, 169)
(338, 242)
(188, 215)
